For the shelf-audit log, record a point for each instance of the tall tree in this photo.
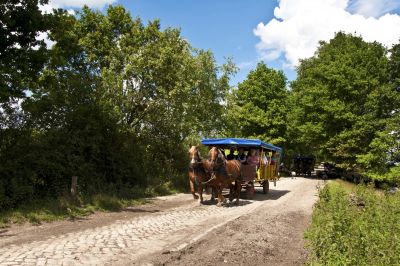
(22, 55)
(383, 157)
(342, 98)
(258, 107)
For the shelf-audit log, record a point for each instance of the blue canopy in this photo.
(241, 143)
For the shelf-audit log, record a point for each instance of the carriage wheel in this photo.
(250, 191)
(266, 187)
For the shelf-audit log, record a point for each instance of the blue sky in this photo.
(279, 32)
(223, 26)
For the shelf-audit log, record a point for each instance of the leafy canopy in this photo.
(258, 106)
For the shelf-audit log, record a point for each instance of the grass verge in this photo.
(47, 210)
(354, 225)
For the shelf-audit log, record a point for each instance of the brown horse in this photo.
(197, 174)
(223, 173)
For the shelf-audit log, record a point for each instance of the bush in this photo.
(105, 202)
(354, 228)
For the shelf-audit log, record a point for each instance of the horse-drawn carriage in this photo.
(252, 174)
(303, 165)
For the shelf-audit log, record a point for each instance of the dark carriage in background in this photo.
(252, 175)
(329, 171)
(303, 165)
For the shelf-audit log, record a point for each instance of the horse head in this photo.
(194, 155)
(215, 157)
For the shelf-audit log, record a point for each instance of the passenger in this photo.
(273, 158)
(231, 154)
(253, 158)
(241, 157)
(265, 158)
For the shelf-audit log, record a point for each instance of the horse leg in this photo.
(232, 190)
(214, 193)
(191, 183)
(238, 185)
(210, 191)
(200, 191)
(221, 198)
(207, 189)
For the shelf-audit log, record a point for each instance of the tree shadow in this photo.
(3, 233)
(78, 218)
(129, 209)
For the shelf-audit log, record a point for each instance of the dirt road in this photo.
(175, 230)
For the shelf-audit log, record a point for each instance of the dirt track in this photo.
(175, 230)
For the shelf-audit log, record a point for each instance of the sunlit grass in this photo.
(351, 219)
(348, 186)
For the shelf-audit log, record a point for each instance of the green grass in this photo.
(60, 209)
(354, 225)
(348, 186)
(48, 210)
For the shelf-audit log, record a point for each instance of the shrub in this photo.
(105, 202)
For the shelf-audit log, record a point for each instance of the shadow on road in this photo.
(271, 195)
(259, 196)
(3, 233)
(276, 194)
(78, 218)
(129, 209)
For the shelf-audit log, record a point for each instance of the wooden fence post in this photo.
(74, 186)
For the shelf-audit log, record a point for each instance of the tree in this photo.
(113, 104)
(382, 160)
(258, 107)
(22, 55)
(342, 98)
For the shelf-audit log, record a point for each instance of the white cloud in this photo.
(373, 8)
(71, 5)
(75, 4)
(44, 36)
(299, 25)
(81, 3)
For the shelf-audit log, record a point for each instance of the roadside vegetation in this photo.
(66, 207)
(354, 226)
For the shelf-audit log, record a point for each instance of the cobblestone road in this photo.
(108, 244)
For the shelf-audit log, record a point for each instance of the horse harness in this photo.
(196, 167)
(219, 168)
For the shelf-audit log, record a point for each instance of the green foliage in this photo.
(358, 227)
(258, 108)
(114, 103)
(341, 99)
(105, 202)
(21, 54)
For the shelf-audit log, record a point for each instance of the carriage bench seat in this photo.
(249, 172)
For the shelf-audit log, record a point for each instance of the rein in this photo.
(213, 176)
